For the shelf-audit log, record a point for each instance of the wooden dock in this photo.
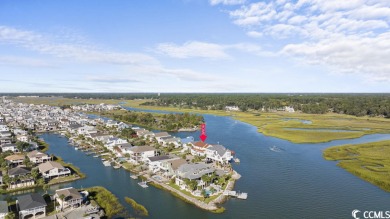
(239, 195)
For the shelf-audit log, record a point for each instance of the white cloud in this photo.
(193, 49)
(196, 49)
(347, 36)
(254, 34)
(45, 44)
(227, 2)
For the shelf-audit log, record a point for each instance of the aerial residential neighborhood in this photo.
(197, 168)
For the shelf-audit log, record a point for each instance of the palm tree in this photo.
(62, 197)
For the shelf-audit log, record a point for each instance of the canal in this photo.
(293, 183)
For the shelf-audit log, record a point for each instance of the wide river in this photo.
(293, 183)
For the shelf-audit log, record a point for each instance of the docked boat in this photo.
(143, 184)
(107, 163)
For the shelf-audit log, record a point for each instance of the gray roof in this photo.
(36, 154)
(125, 145)
(69, 193)
(29, 201)
(177, 163)
(157, 158)
(140, 149)
(18, 171)
(3, 207)
(194, 170)
(221, 150)
(49, 165)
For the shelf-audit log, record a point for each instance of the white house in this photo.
(141, 153)
(38, 157)
(72, 198)
(23, 138)
(218, 153)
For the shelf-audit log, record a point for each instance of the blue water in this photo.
(297, 183)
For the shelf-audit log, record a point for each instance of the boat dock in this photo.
(239, 195)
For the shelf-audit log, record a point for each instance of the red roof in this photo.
(200, 144)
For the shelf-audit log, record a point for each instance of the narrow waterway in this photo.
(293, 183)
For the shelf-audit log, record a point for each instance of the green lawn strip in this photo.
(368, 161)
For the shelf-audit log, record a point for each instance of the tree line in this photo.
(351, 104)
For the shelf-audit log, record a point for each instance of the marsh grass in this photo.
(369, 161)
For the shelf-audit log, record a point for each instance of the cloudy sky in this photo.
(195, 46)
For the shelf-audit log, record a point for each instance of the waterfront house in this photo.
(125, 148)
(100, 137)
(170, 167)
(52, 169)
(199, 148)
(218, 153)
(160, 135)
(31, 206)
(73, 128)
(141, 153)
(192, 171)
(15, 159)
(111, 142)
(171, 140)
(38, 157)
(9, 147)
(72, 198)
(3, 209)
(155, 163)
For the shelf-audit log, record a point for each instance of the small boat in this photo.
(143, 184)
(275, 149)
(107, 163)
(96, 156)
(76, 148)
(134, 176)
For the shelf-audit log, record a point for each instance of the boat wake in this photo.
(275, 149)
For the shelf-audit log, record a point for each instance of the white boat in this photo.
(76, 148)
(143, 184)
(107, 163)
(275, 149)
(134, 176)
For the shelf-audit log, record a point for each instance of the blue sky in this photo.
(195, 46)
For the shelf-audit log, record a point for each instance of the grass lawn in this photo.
(368, 161)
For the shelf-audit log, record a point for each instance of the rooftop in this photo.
(29, 201)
